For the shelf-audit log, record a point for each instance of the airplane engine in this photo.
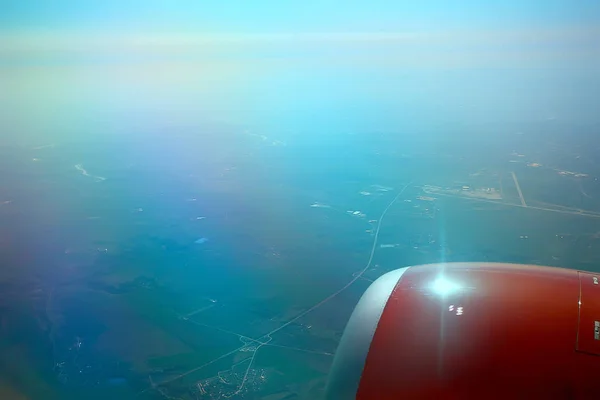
(472, 331)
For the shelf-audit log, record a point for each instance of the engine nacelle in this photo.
(472, 331)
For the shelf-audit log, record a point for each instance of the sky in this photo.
(68, 65)
(268, 16)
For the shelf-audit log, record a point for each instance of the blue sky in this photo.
(342, 64)
(265, 16)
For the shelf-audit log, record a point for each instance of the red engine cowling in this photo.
(472, 331)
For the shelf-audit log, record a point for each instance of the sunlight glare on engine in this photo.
(443, 287)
